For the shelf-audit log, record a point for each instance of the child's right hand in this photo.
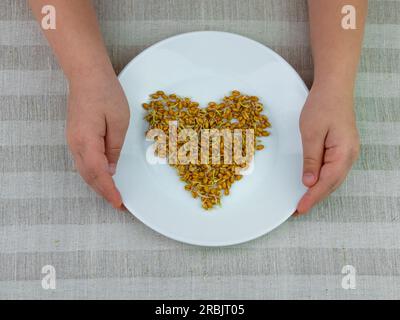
(98, 118)
(330, 140)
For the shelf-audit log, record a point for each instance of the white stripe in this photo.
(382, 36)
(385, 85)
(206, 287)
(19, 33)
(53, 82)
(43, 185)
(370, 183)
(379, 133)
(52, 132)
(135, 236)
(27, 185)
(13, 133)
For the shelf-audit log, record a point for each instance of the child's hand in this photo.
(330, 142)
(98, 118)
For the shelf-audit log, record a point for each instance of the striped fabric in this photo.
(48, 216)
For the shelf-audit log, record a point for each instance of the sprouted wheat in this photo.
(208, 181)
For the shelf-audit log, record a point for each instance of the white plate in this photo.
(206, 66)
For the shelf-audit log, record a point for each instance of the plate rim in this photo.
(285, 63)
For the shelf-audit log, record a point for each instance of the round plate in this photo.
(206, 66)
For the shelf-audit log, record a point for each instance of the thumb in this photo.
(115, 136)
(313, 151)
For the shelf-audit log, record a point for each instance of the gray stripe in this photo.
(144, 33)
(378, 85)
(147, 32)
(69, 211)
(199, 262)
(286, 10)
(25, 185)
(380, 60)
(79, 211)
(27, 58)
(379, 133)
(370, 183)
(33, 108)
(376, 60)
(58, 158)
(53, 82)
(136, 236)
(45, 108)
(38, 57)
(269, 10)
(381, 12)
(378, 157)
(47, 82)
(15, 10)
(209, 287)
(14, 133)
(83, 211)
(42, 58)
(382, 36)
(355, 209)
(32, 133)
(378, 109)
(41, 158)
(43, 185)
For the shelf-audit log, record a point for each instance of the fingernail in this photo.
(308, 178)
(111, 168)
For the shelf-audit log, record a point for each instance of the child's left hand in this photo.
(330, 142)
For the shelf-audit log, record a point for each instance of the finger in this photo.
(313, 151)
(80, 168)
(115, 136)
(97, 176)
(93, 167)
(331, 176)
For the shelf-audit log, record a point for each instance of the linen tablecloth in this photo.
(48, 216)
